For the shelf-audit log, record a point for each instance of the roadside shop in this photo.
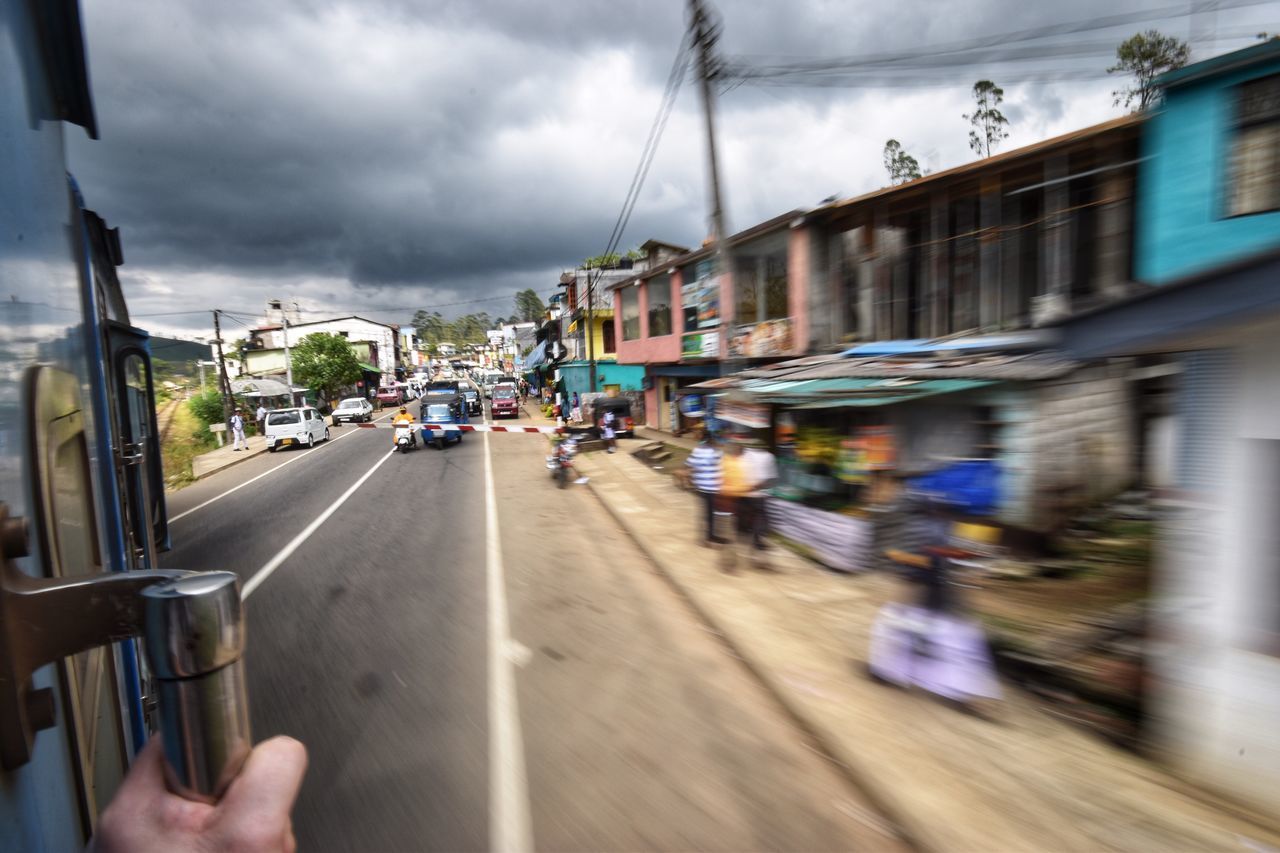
(1008, 440)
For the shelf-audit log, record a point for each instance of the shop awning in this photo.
(369, 368)
(886, 395)
(537, 356)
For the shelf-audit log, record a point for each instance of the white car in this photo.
(353, 410)
(295, 426)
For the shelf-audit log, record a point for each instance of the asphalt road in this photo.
(475, 669)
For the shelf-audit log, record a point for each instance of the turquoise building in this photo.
(1208, 249)
(1209, 183)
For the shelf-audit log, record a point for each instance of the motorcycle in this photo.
(560, 462)
(406, 438)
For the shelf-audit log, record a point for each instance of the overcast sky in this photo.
(382, 156)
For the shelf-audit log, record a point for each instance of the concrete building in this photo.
(1208, 256)
(265, 350)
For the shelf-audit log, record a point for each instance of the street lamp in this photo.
(277, 305)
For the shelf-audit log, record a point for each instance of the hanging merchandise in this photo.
(880, 447)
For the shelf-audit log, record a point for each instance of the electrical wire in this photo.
(880, 69)
(675, 78)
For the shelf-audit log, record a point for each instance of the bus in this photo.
(82, 506)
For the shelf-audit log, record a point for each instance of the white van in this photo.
(295, 426)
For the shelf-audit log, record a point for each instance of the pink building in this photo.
(673, 317)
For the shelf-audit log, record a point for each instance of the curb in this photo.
(906, 828)
(195, 478)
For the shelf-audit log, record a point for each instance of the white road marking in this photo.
(302, 455)
(509, 830)
(287, 551)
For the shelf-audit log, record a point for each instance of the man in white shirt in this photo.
(237, 432)
(763, 472)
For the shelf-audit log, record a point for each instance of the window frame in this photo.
(633, 293)
(1239, 124)
(660, 284)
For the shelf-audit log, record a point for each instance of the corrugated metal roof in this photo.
(901, 394)
(1001, 366)
(988, 164)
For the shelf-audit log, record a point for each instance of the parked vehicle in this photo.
(353, 410)
(472, 398)
(506, 402)
(623, 423)
(293, 427)
(439, 409)
(389, 395)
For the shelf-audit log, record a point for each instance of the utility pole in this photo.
(591, 333)
(288, 364)
(705, 34)
(224, 384)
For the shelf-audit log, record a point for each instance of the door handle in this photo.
(192, 628)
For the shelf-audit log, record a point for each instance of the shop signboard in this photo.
(750, 415)
(761, 340)
(701, 345)
(703, 295)
(692, 406)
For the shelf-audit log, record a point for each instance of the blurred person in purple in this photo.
(928, 641)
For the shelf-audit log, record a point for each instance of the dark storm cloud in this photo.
(465, 147)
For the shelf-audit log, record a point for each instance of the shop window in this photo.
(1254, 167)
(631, 313)
(659, 306)
(745, 301)
(775, 287)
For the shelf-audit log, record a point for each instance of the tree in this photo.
(326, 363)
(207, 406)
(529, 307)
(987, 120)
(901, 166)
(1146, 56)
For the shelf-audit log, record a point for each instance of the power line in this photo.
(991, 49)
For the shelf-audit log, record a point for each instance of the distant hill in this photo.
(174, 350)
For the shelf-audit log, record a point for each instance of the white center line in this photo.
(302, 455)
(274, 563)
(509, 830)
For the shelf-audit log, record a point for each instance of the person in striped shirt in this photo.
(707, 475)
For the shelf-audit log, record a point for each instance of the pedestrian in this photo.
(705, 465)
(564, 409)
(261, 418)
(576, 409)
(762, 473)
(607, 432)
(237, 432)
(929, 641)
(735, 484)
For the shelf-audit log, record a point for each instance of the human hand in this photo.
(253, 815)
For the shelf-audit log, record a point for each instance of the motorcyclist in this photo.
(402, 418)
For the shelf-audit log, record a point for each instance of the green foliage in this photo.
(901, 166)
(610, 260)
(1146, 56)
(207, 406)
(529, 308)
(432, 328)
(325, 363)
(987, 120)
(599, 261)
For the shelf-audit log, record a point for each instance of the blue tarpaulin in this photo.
(537, 356)
(969, 485)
